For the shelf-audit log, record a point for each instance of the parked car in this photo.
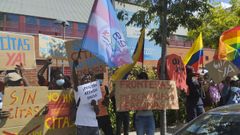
(223, 120)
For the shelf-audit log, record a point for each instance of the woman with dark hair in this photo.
(144, 119)
(57, 79)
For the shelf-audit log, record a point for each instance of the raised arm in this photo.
(41, 79)
(21, 72)
(74, 75)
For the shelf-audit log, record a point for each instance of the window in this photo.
(45, 22)
(31, 20)
(82, 26)
(12, 18)
(1, 17)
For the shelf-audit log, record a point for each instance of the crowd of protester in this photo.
(203, 95)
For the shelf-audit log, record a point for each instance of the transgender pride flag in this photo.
(104, 37)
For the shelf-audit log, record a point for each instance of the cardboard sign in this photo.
(88, 62)
(146, 95)
(58, 121)
(51, 46)
(25, 105)
(16, 49)
(90, 91)
(218, 70)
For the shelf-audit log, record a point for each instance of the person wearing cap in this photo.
(16, 77)
(12, 78)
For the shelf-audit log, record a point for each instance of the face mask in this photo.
(100, 81)
(60, 82)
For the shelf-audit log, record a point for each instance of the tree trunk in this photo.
(163, 31)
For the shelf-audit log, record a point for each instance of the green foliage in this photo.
(216, 22)
(180, 13)
(173, 116)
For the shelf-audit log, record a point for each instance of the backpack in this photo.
(214, 94)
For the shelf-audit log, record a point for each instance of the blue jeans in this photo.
(145, 125)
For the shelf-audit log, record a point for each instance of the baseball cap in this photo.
(13, 76)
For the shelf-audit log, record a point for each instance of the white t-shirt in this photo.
(85, 114)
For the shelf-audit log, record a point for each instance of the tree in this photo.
(217, 21)
(169, 14)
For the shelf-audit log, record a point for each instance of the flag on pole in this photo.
(141, 41)
(104, 37)
(194, 56)
(123, 70)
(229, 46)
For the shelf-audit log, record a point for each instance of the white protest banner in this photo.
(90, 91)
(51, 46)
(16, 49)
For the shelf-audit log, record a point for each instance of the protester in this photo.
(214, 93)
(16, 77)
(234, 93)
(58, 80)
(86, 121)
(3, 114)
(122, 118)
(144, 120)
(225, 90)
(103, 118)
(207, 100)
(12, 78)
(194, 102)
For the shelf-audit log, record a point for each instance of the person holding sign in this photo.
(144, 120)
(57, 78)
(103, 118)
(86, 121)
(12, 78)
(16, 77)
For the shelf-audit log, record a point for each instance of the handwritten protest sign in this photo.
(146, 95)
(51, 46)
(57, 120)
(218, 70)
(88, 62)
(25, 105)
(16, 49)
(90, 91)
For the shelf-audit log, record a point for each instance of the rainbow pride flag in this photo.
(229, 46)
(194, 57)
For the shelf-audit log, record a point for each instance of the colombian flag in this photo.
(229, 46)
(194, 56)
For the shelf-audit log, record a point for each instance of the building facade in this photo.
(39, 17)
